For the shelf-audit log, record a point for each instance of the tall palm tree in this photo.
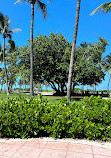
(104, 8)
(73, 51)
(6, 33)
(107, 67)
(43, 9)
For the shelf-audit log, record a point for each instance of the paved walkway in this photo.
(46, 148)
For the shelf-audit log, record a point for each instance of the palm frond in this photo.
(1, 20)
(19, 1)
(6, 20)
(104, 8)
(4, 24)
(9, 35)
(109, 71)
(11, 45)
(43, 8)
(107, 63)
(16, 30)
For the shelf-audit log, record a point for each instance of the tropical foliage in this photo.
(23, 118)
(6, 33)
(104, 8)
(52, 57)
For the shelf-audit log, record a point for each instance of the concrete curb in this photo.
(75, 141)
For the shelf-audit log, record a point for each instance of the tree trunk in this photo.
(20, 88)
(73, 87)
(5, 66)
(108, 84)
(73, 51)
(31, 50)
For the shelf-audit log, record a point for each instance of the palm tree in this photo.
(107, 67)
(104, 8)
(6, 33)
(73, 51)
(43, 9)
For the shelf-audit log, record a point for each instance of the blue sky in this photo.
(61, 19)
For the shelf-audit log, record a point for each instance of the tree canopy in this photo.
(52, 57)
(87, 66)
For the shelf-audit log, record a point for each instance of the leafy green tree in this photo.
(6, 33)
(24, 64)
(52, 58)
(43, 9)
(73, 52)
(106, 62)
(12, 59)
(104, 8)
(46, 85)
(86, 68)
(20, 82)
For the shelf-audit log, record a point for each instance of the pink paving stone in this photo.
(51, 153)
(16, 143)
(78, 155)
(98, 156)
(80, 148)
(4, 157)
(101, 151)
(38, 144)
(27, 152)
(1, 143)
(8, 150)
(57, 145)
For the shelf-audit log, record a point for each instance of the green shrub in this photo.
(22, 117)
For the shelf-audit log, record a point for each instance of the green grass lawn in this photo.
(12, 95)
(51, 99)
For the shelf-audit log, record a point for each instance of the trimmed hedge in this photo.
(23, 118)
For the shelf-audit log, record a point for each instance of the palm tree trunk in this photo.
(5, 66)
(108, 84)
(73, 51)
(31, 50)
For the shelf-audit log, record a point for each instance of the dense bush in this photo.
(90, 118)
